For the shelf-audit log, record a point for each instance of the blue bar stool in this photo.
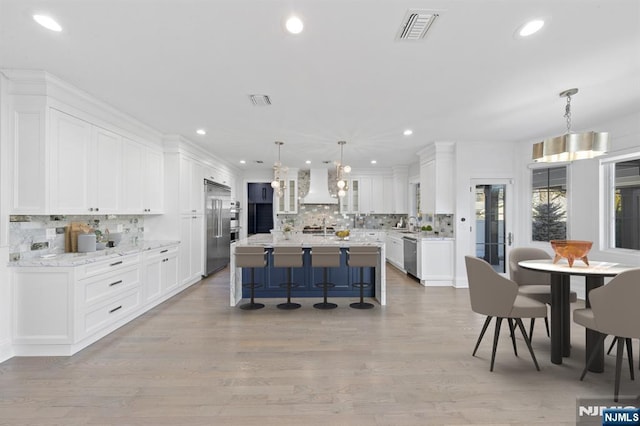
(251, 257)
(362, 256)
(288, 257)
(325, 257)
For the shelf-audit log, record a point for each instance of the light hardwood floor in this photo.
(196, 361)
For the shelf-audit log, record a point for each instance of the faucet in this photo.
(324, 227)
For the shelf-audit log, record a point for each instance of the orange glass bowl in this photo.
(571, 250)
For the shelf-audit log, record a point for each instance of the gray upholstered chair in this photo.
(614, 311)
(533, 284)
(251, 257)
(496, 296)
(288, 257)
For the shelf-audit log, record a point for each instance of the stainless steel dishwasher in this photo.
(411, 255)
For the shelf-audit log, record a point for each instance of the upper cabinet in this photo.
(288, 203)
(86, 167)
(436, 178)
(350, 203)
(374, 195)
(191, 186)
(142, 171)
(63, 164)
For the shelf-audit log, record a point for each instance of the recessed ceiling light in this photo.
(201, 132)
(408, 132)
(308, 162)
(48, 22)
(374, 162)
(294, 25)
(243, 162)
(531, 27)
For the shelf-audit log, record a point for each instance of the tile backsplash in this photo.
(28, 234)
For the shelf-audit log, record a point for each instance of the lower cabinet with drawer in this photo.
(58, 311)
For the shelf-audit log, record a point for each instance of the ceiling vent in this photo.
(415, 24)
(260, 100)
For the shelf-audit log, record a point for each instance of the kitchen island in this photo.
(305, 275)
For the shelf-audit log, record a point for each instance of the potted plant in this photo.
(428, 229)
(286, 230)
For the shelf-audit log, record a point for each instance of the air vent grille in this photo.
(416, 23)
(260, 100)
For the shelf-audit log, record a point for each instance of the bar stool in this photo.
(251, 257)
(362, 256)
(325, 257)
(288, 257)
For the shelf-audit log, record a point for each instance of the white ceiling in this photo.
(179, 65)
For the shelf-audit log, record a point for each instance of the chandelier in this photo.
(279, 174)
(341, 171)
(571, 146)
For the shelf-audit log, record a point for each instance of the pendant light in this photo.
(279, 174)
(571, 146)
(341, 171)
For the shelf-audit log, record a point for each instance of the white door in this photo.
(491, 201)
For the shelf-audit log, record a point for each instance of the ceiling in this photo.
(180, 65)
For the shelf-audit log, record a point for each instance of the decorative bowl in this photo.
(343, 235)
(571, 250)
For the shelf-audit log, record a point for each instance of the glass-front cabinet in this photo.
(350, 203)
(288, 202)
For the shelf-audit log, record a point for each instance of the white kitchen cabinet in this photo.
(61, 310)
(436, 262)
(161, 274)
(436, 179)
(71, 154)
(350, 203)
(395, 250)
(143, 179)
(86, 167)
(191, 262)
(191, 186)
(288, 203)
(375, 194)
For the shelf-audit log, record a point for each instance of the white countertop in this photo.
(420, 236)
(75, 259)
(308, 240)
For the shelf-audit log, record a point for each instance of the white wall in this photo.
(5, 188)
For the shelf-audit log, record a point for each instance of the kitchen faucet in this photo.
(324, 227)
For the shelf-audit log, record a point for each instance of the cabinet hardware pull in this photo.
(115, 309)
(164, 251)
(115, 283)
(116, 263)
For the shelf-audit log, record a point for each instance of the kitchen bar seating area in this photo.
(356, 272)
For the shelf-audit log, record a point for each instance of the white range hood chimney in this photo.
(319, 188)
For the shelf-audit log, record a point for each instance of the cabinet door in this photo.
(184, 263)
(153, 181)
(107, 174)
(365, 191)
(197, 188)
(71, 154)
(388, 197)
(133, 177)
(170, 273)
(197, 246)
(153, 279)
(185, 186)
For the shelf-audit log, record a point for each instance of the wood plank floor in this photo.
(195, 361)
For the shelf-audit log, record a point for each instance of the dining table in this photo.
(595, 272)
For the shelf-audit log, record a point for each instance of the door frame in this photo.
(509, 220)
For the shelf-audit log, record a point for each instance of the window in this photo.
(626, 204)
(549, 204)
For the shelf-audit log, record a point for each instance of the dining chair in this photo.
(533, 284)
(493, 295)
(614, 311)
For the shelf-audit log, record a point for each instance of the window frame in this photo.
(539, 166)
(607, 195)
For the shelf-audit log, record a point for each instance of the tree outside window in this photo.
(549, 204)
(627, 204)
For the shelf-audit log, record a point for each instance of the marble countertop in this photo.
(75, 259)
(308, 240)
(417, 235)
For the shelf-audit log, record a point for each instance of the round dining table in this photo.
(561, 273)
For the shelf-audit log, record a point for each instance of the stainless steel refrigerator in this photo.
(217, 203)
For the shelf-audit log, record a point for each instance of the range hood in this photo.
(319, 188)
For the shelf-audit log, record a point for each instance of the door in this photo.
(492, 229)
